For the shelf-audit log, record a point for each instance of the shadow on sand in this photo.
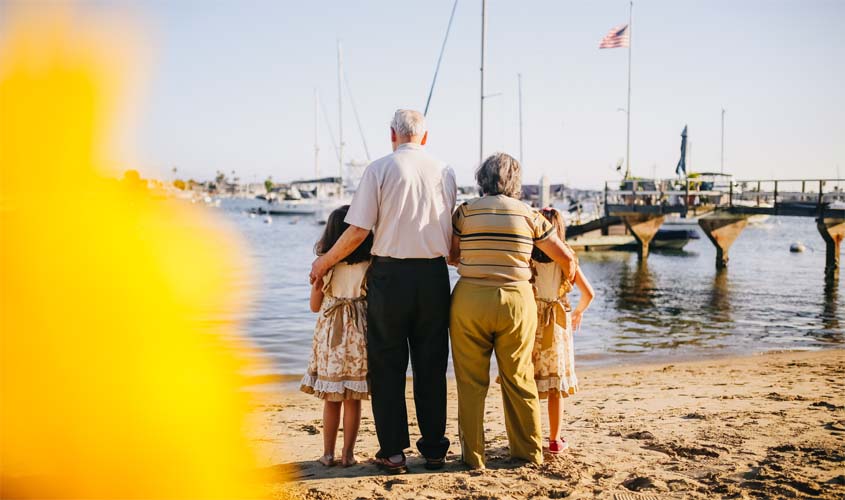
(310, 470)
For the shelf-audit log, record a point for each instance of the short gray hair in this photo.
(408, 122)
(500, 174)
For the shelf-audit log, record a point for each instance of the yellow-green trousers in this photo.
(503, 319)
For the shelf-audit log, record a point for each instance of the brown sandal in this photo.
(392, 467)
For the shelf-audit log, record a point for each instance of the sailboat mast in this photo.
(355, 114)
(519, 81)
(340, 111)
(316, 127)
(630, 43)
(483, 47)
(440, 58)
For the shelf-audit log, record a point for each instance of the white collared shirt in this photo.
(406, 198)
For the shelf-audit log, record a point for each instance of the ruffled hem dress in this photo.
(337, 370)
(554, 351)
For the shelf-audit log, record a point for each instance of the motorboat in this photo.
(306, 197)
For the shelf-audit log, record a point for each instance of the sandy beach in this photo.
(770, 425)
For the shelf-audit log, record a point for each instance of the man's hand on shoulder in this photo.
(319, 268)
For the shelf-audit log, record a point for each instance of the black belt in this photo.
(379, 258)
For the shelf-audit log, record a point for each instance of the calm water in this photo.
(674, 306)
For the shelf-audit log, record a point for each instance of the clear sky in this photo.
(231, 84)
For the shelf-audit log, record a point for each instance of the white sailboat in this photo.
(316, 190)
(344, 196)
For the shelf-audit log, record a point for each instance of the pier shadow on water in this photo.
(655, 312)
(719, 303)
(829, 316)
(678, 305)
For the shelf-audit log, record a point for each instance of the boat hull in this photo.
(286, 211)
(665, 239)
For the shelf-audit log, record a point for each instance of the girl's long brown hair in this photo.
(553, 216)
(335, 226)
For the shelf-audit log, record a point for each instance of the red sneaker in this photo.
(558, 445)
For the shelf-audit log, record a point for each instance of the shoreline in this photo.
(765, 425)
(288, 381)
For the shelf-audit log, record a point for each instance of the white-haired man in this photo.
(406, 198)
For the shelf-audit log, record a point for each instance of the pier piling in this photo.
(833, 232)
(643, 227)
(722, 229)
(641, 205)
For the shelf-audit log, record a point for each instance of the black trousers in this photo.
(408, 311)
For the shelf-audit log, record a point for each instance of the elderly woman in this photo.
(493, 307)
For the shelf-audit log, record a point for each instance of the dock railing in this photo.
(798, 197)
(697, 195)
(725, 205)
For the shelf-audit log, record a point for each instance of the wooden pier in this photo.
(723, 206)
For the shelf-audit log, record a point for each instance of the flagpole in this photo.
(483, 47)
(722, 159)
(630, 43)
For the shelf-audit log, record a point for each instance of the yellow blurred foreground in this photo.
(111, 385)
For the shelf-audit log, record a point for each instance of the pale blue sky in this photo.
(231, 84)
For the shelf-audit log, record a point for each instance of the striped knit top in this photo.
(497, 236)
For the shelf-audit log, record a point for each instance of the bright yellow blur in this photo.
(112, 382)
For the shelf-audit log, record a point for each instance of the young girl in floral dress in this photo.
(554, 353)
(337, 370)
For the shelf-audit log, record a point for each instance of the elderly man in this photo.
(406, 198)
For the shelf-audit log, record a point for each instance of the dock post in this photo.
(722, 229)
(643, 227)
(833, 232)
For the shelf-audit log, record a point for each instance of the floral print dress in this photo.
(337, 370)
(554, 352)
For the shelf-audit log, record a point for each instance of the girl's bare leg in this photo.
(331, 421)
(555, 407)
(351, 423)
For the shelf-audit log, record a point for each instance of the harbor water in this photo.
(674, 306)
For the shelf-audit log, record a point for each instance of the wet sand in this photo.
(764, 426)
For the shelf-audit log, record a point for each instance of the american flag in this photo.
(620, 36)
